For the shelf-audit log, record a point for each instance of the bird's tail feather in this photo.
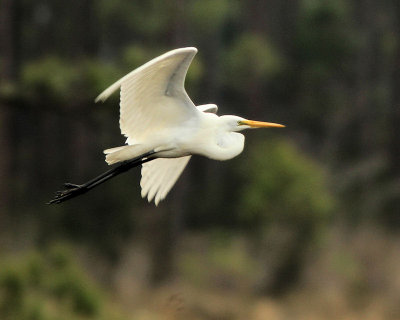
(123, 153)
(111, 150)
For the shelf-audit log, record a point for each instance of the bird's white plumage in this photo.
(160, 175)
(211, 108)
(153, 96)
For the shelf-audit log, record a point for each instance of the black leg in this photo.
(74, 190)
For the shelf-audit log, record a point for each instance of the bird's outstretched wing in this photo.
(160, 175)
(153, 96)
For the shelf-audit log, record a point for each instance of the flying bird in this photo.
(164, 128)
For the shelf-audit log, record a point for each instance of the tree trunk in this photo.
(394, 127)
(8, 75)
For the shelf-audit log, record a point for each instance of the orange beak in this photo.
(260, 124)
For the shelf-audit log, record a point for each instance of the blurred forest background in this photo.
(303, 225)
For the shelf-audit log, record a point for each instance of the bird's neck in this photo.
(227, 146)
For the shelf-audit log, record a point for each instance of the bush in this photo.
(283, 185)
(48, 285)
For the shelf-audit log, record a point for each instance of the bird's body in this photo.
(164, 128)
(206, 134)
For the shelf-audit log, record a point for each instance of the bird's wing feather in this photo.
(211, 108)
(153, 96)
(160, 175)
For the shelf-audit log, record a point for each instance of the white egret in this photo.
(164, 128)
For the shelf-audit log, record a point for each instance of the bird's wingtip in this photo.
(102, 96)
(108, 92)
(194, 49)
(184, 49)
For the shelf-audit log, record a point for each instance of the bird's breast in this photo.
(217, 145)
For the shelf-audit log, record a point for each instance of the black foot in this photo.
(72, 191)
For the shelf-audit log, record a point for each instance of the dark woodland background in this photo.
(303, 225)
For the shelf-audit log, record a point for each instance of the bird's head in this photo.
(236, 123)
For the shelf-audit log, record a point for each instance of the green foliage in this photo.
(142, 18)
(59, 80)
(95, 76)
(253, 58)
(136, 55)
(49, 77)
(48, 286)
(208, 16)
(324, 44)
(283, 185)
(324, 40)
